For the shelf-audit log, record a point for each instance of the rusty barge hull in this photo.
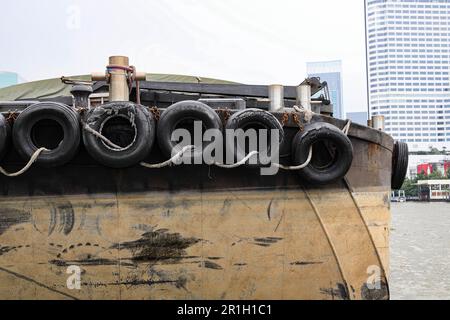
(197, 232)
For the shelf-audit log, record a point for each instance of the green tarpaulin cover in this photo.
(52, 88)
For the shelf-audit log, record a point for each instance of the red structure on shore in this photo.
(428, 168)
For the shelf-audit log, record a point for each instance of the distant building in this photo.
(8, 79)
(408, 69)
(434, 190)
(358, 117)
(429, 168)
(331, 72)
(427, 164)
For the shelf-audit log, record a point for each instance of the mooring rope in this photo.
(346, 129)
(299, 167)
(102, 137)
(33, 158)
(172, 161)
(308, 113)
(175, 159)
(238, 164)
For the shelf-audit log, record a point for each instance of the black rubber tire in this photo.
(400, 157)
(65, 116)
(251, 117)
(341, 163)
(178, 112)
(5, 134)
(137, 150)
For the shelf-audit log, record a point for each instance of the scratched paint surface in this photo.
(188, 245)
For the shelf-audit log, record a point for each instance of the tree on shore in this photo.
(410, 187)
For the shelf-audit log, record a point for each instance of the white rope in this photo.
(299, 167)
(308, 161)
(346, 129)
(236, 165)
(178, 156)
(102, 137)
(298, 109)
(33, 158)
(172, 161)
(308, 113)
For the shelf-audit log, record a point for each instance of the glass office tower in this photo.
(408, 62)
(331, 72)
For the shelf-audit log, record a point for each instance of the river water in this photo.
(420, 251)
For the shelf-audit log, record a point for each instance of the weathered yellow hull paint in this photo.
(241, 244)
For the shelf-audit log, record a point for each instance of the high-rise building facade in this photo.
(408, 61)
(331, 72)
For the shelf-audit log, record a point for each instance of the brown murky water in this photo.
(420, 251)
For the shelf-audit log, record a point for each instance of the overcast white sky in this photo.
(249, 41)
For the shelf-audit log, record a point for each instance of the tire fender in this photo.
(185, 111)
(137, 120)
(5, 134)
(68, 121)
(256, 118)
(325, 134)
(400, 156)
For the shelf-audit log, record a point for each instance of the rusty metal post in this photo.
(378, 123)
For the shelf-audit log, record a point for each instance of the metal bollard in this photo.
(304, 96)
(276, 97)
(378, 123)
(81, 95)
